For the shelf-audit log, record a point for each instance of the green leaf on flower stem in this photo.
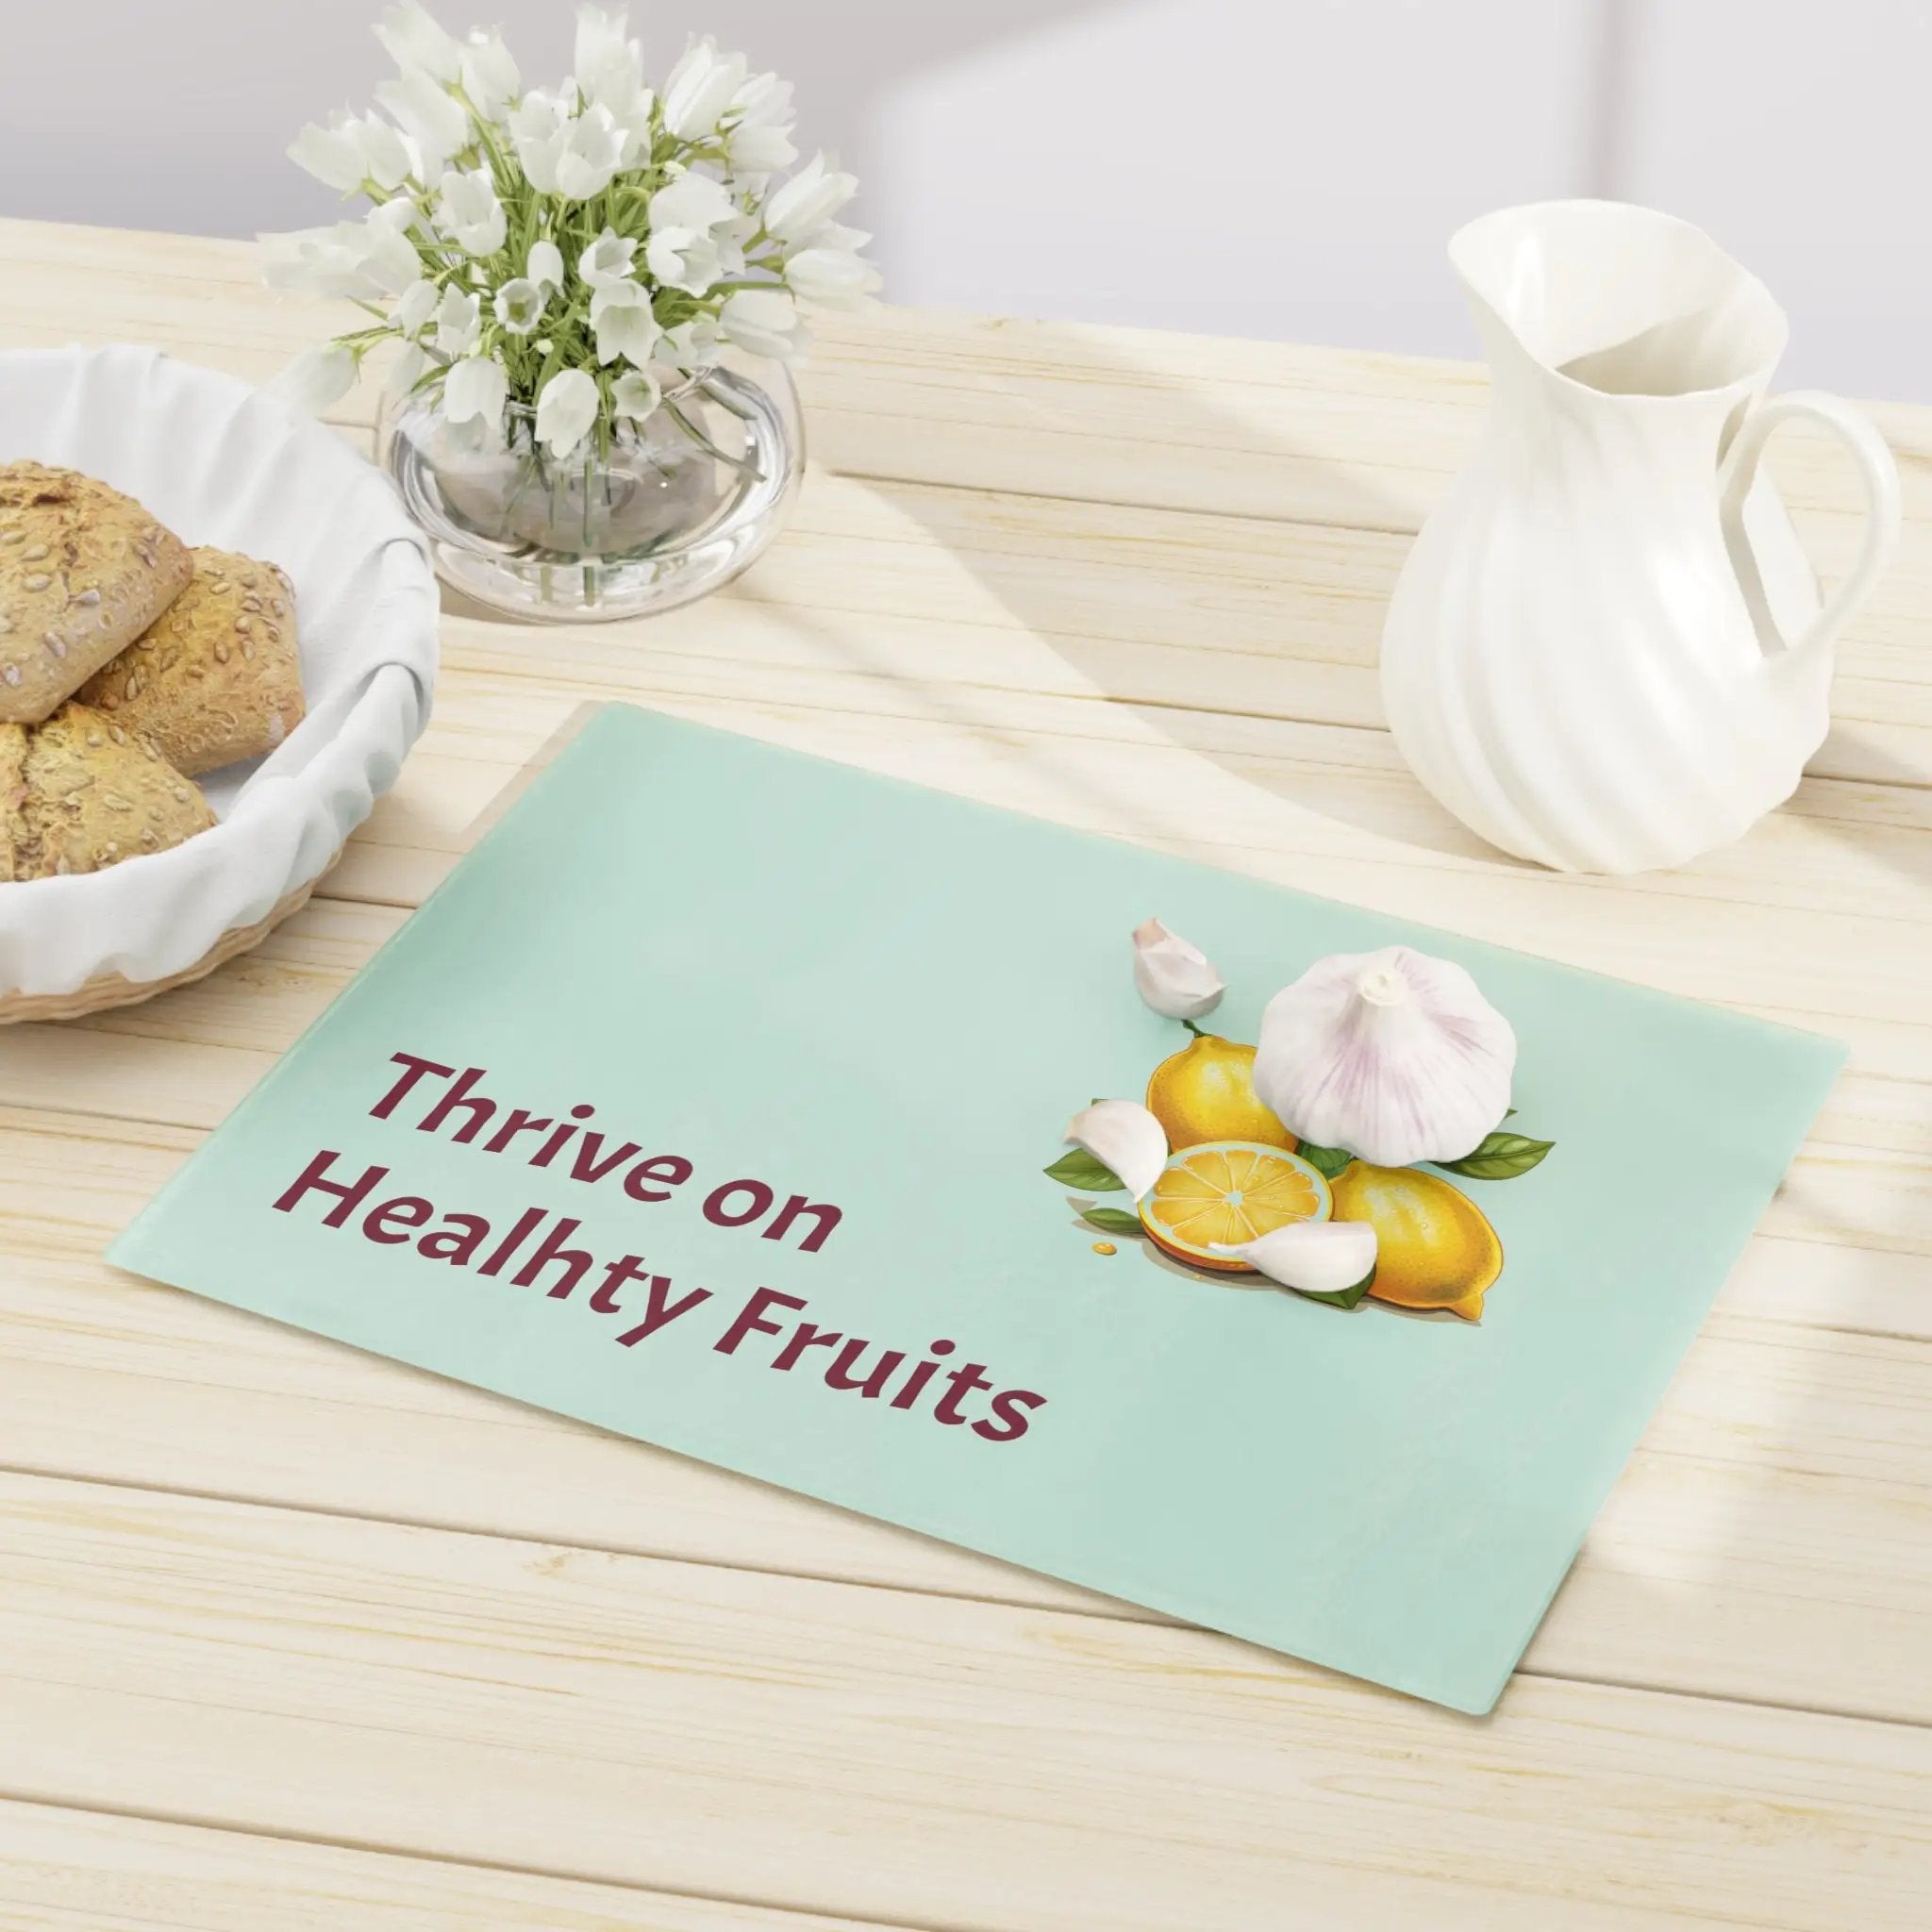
(1343, 1297)
(1501, 1158)
(1076, 1167)
(1326, 1162)
(1112, 1220)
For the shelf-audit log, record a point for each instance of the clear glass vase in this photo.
(674, 507)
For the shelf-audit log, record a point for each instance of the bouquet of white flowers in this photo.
(583, 250)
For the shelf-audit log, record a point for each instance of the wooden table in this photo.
(291, 1637)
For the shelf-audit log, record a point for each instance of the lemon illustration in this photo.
(1206, 1092)
(1434, 1247)
(1229, 1191)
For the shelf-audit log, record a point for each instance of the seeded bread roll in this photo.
(83, 571)
(216, 676)
(12, 801)
(78, 793)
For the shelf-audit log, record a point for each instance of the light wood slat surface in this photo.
(710, 1730)
(64, 1871)
(290, 1636)
(1075, 409)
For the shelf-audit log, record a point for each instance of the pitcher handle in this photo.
(1880, 477)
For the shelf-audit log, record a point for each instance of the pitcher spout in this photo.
(1618, 300)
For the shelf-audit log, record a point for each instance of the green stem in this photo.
(711, 448)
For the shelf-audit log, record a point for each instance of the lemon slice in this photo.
(1229, 1192)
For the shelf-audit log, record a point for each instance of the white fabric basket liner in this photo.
(222, 463)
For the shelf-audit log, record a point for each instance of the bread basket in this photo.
(220, 464)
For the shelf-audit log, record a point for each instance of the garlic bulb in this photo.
(1174, 978)
(1395, 1056)
(1122, 1135)
(1312, 1256)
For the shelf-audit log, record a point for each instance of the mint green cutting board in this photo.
(848, 994)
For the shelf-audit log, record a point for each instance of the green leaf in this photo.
(1111, 1221)
(1501, 1158)
(1326, 1162)
(1343, 1297)
(1076, 1167)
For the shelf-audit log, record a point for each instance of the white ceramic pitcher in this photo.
(1606, 651)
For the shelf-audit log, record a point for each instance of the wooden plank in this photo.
(1167, 605)
(1314, 820)
(1770, 1540)
(978, 597)
(1083, 411)
(703, 1730)
(1231, 780)
(66, 1871)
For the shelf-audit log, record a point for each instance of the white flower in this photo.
(385, 153)
(600, 43)
(800, 208)
(416, 306)
(456, 322)
(1173, 977)
(636, 393)
(328, 155)
(565, 410)
(311, 259)
(588, 151)
(474, 389)
(519, 304)
(621, 320)
(692, 346)
(488, 72)
(355, 260)
(350, 150)
(759, 126)
(316, 378)
(763, 321)
(537, 124)
(691, 201)
(432, 117)
(470, 213)
(611, 75)
(545, 265)
(831, 277)
(1125, 1139)
(683, 258)
(606, 259)
(686, 251)
(406, 370)
(413, 41)
(702, 85)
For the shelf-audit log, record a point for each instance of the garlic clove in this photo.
(1124, 1136)
(1395, 1056)
(1174, 977)
(1312, 1256)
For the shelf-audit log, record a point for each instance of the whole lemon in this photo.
(1206, 1092)
(1434, 1247)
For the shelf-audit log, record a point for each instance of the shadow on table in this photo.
(1256, 644)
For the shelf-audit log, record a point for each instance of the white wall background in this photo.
(1282, 167)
